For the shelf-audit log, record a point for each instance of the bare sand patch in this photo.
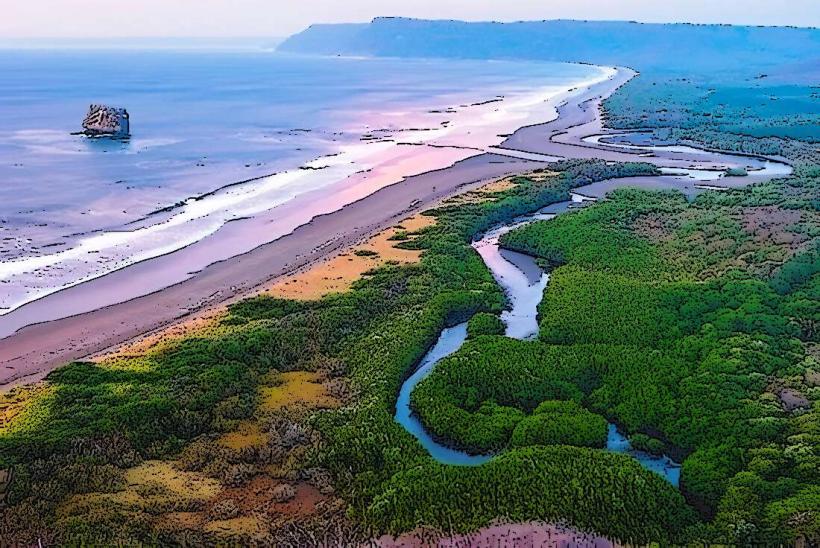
(490, 191)
(157, 341)
(296, 388)
(338, 273)
(248, 435)
(495, 187)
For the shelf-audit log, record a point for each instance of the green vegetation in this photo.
(561, 423)
(592, 489)
(729, 104)
(477, 398)
(648, 444)
(720, 294)
(708, 303)
(94, 422)
(376, 462)
(694, 326)
(485, 324)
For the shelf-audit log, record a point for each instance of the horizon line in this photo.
(393, 17)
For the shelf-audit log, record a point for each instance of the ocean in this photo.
(221, 136)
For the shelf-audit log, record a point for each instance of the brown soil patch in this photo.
(296, 388)
(770, 224)
(258, 496)
(306, 502)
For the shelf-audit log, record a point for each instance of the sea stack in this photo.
(105, 121)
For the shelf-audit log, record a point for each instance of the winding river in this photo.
(524, 283)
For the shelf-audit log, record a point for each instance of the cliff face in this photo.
(106, 121)
(601, 42)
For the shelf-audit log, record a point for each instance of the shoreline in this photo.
(230, 219)
(36, 340)
(31, 349)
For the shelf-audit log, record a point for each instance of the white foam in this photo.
(473, 129)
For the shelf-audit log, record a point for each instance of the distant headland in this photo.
(600, 42)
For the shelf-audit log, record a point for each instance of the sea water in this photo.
(218, 136)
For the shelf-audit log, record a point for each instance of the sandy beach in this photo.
(88, 319)
(34, 350)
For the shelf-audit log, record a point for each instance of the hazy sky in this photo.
(239, 18)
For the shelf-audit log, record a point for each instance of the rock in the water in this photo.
(105, 121)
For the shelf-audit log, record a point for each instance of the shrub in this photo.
(484, 323)
(561, 423)
(224, 509)
(365, 253)
(645, 443)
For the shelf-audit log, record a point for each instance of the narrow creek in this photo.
(524, 282)
(756, 167)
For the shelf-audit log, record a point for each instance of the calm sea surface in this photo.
(72, 208)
